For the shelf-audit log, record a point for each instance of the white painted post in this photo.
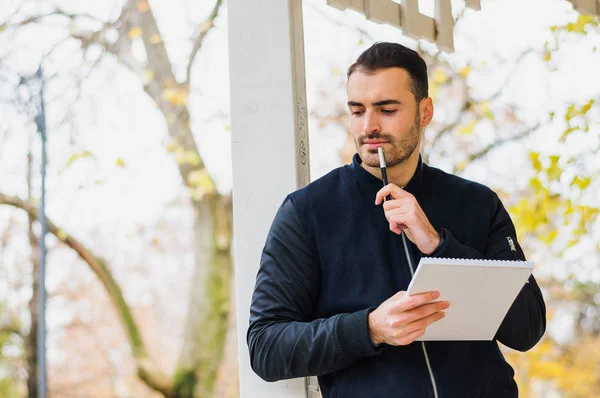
(269, 147)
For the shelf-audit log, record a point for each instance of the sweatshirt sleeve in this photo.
(525, 322)
(283, 339)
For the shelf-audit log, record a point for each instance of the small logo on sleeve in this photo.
(511, 243)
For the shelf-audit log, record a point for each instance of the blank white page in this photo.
(480, 293)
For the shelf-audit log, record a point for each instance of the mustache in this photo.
(374, 136)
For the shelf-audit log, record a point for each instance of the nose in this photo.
(371, 122)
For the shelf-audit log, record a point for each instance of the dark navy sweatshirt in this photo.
(330, 258)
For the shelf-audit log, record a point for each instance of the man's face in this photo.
(383, 112)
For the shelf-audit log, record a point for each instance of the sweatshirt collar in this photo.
(364, 176)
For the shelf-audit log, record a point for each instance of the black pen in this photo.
(382, 166)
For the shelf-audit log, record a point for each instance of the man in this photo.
(330, 294)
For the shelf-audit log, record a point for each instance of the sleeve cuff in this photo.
(352, 332)
(441, 245)
(449, 247)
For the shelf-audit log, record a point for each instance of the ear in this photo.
(426, 111)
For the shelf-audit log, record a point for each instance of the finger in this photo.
(424, 311)
(402, 294)
(418, 328)
(401, 301)
(390, 189)
(395, 228)
(399, 222)
(411, 337)
(416, 300)
(395, 204)
(402, 210)
(399, 295)
(424, 322)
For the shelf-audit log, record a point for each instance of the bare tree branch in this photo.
(341, 23)
(57, 12)
(147, 370)
(204, 29)
(523, 134)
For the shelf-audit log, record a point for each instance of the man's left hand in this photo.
(404, 213)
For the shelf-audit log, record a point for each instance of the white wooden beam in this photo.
(474, 4)
(269, 141)
(588, 7)
(357, 5)
(339, 4)
(444, 25)
(384, 11)
(416, 25)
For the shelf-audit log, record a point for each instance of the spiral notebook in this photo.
(480, 293)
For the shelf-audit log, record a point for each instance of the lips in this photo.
(374, 144)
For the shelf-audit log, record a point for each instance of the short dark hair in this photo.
(383, 55)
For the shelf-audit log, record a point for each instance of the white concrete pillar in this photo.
(269, 147)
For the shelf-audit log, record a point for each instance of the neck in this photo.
(399, 174)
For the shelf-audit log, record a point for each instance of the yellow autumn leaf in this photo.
(187, 157)
(547, 56)
(469, 128)
(536, 184)
(464, 71)
(439, 76)
(549, 237)
(486, 111)
(547, 370)
(566, 134)
(135, 32)
(76, 156)
(198, 193)
(120, 162)
(148, 75)
(200, 178)
(587, 107)
(582, 183)
(579, 25)
(535, 161)
(176, 96)
(461, 166)
(172, 146)
(142, 6)
(62, 235)
(554, 171)
(155, 39)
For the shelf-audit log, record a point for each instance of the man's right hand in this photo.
(402, 319)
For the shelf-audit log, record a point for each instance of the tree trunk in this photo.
(227, 383)
(208, 305)
(31, 338)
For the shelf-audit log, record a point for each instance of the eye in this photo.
(388, 111)
(356, 113)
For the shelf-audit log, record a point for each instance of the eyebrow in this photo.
(378, 103)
